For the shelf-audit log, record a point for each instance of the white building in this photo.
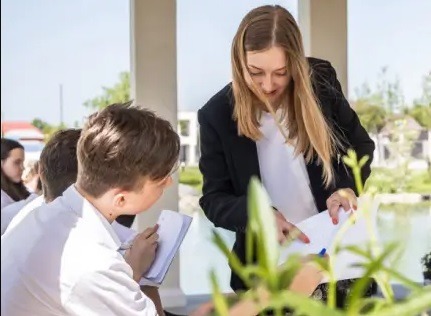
(188, 129)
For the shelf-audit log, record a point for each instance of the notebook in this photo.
(321, 231)
(173, 227)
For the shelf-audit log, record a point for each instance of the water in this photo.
(409, 226)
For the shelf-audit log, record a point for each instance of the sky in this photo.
(84, 44)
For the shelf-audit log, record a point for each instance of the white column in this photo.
(154, 85)
(324, 29)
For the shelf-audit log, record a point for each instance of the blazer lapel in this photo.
(245, 160)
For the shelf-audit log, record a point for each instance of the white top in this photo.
(283, 175)
(10, 211)
(5, 199)
(62, 259)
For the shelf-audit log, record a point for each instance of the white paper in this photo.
(125, 234)
(172, 229)
(322, 231)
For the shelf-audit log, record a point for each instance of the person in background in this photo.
(31, 178)
(12, 167)
(58, 169)
(125, 158)
(283, 118)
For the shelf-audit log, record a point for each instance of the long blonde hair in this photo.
(307, 129)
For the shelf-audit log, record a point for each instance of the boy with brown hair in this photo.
(125, 158)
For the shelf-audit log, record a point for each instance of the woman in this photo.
(283, 118)
(12, 167)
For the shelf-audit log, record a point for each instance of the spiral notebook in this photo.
(173, 227)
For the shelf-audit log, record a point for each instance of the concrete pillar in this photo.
(154, 85)
(324, 29)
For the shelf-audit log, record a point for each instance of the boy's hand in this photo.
(141, 254)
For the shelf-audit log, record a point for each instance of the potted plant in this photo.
(426, 266)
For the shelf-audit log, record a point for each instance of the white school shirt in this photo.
(9, 212)
(62, 259)
(5, 199)
(121, 231)
(283, 175)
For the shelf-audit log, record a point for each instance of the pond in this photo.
(408, 225)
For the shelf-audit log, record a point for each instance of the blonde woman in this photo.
(283, 118)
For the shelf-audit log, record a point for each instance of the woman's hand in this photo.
(287, 230)
(345, 198)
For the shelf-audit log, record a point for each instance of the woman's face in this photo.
(13, 166)
(268, 70)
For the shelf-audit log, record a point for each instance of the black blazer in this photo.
(228, 161)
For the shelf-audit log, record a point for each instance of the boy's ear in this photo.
(119, 199)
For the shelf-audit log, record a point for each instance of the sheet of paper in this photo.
(125, 234)
(173, 227)
(322, 231)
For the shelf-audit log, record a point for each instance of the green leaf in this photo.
(288, 270)
(348, 161)
(233, 259)
(372, 267)
(220, 302)
(302, 305)
(363, 161)
(414, 305)
(261, 212)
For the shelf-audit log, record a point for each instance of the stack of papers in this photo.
(322, 232)
(173, 227)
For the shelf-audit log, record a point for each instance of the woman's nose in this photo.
(267, 84)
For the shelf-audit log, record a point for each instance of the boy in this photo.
(125, 158)
(58, 169)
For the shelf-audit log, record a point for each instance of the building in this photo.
(188, 130)
(28, 135)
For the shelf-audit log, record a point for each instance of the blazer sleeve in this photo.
(351, 131)
(219, 202)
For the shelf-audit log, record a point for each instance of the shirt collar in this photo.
(84, 209)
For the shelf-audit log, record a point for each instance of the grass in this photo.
(191, 176)
(383, 180)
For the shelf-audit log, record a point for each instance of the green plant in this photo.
(261, 242)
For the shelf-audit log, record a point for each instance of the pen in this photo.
(322, 252)
(125, 246)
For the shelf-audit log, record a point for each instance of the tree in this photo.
(426, 91)
(375, 106)
(120, 92)
(47, 129)
(372, 116)
(422, 114)
(390, 92)
(40, 124)
(421, 111)
(370, 109)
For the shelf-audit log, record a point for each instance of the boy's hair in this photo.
(120, 145)
(58, 163)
